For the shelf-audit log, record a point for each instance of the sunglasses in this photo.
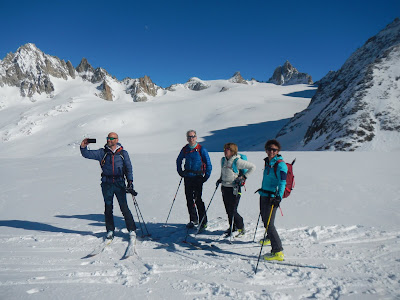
(111, 138)
(191, 136)
(272, 149)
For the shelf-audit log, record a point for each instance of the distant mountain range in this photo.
(31, 70)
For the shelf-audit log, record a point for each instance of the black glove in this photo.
(205, 178)
(240, 181)
(276, 201)
(218, 182)
(129, 188)
(181, 173)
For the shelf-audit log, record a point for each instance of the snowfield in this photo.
(340, 227)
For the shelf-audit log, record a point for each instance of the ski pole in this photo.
(231, 233)
(233, 217)
(173, 201)
(265, 234)
(259, 215)
(139, 214)
(205, 213)
(140, 222)
(144, 223)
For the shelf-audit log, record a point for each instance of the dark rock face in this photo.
(106, 91)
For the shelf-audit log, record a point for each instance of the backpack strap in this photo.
(197, 149)
(234, 165)
(276, 166)
(103, 161)
(120, 153)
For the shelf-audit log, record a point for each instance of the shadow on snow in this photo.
(251, 137)
(37, 226)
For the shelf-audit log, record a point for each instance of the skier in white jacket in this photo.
(234, 172)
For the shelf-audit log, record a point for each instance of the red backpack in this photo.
(289, 178)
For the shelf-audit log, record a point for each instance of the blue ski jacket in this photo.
(274, 184)
(197, 162)
(113, 164)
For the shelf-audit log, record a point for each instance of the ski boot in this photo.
(274, 256)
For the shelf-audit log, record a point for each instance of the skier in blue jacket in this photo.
(271, 193)
(197, 171)
(115, 164)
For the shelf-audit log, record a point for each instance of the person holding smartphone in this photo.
(115, 165)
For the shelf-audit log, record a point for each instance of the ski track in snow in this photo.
(46, 260)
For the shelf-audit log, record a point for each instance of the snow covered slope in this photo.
(356, 107)
(51, 208)
(345, 220)
(247, 114)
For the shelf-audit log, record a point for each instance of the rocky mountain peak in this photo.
(84, 67)
(287, 75)
(237, 78)
(196, 84)
(30, 70)
(141, 88)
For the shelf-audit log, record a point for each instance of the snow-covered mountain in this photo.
(358, 106)
(287, 74)
(31, 71)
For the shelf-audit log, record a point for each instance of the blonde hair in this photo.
(231, 146)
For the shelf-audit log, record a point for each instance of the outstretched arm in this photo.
(91, 154)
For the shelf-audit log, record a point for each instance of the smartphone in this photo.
(91, 141)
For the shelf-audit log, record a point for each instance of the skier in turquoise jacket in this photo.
(271, 193)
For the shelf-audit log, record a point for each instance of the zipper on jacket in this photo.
(112, 162)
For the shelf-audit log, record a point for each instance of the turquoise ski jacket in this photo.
(274, 184)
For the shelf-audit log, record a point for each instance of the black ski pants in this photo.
(272, 234)
(117, 189)
(231, 203)
(193, 192)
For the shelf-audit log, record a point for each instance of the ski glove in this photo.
(241, 180)
(130, 189)
(181, 173)
(276, 201)
(218, 182)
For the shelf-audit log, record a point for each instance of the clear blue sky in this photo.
(173, 40)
